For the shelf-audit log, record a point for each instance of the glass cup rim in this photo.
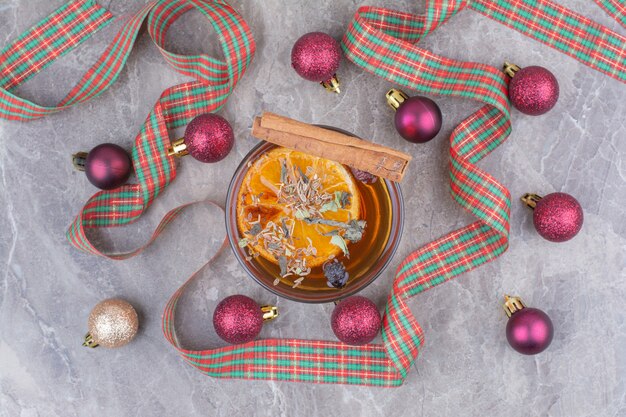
(389, 250)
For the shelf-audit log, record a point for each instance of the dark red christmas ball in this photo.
(108, 166)
(209, 138)
(529, 331)
(238, 319)
(558, 217)
(533, 90)
(418, 119)
(316, 56)
(356, 320)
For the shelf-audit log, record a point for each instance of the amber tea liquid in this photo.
(376, 211)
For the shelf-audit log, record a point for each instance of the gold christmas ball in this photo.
(112, 323)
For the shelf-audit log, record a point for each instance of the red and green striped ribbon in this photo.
(615, 8)
(382, 42)
(38, 47)
(214, 80)
(564, 30)
(213, 84)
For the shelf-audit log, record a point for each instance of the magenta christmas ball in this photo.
(418, 119)
(238, 319)
(316, 56)
(356, 320)
(558, 217)
(209, 138)
(108, 166)
(533, 90)
(529, 331)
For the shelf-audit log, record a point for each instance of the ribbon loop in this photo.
(66, 28)
(177, 105)
(381, 41)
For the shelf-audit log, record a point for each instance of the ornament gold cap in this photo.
(332, 84)
(178, 148)
(510, 69)
(79, 159)
(512, 304)
(269, 312)
(90, 341)
(531, 200)
(395, 98)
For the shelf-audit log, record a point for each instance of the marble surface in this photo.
(466, 368)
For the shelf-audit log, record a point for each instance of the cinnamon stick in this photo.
(329, 144)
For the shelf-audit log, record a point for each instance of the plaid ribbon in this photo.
(615, 9)
(382, 42)
(564, 30)
(214, 80)
(213, 84)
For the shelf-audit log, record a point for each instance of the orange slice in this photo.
(280, 190)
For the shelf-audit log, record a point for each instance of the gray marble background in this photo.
(466, 368)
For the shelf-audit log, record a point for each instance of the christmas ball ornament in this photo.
(208, 138)
(417, 119)
(107, 166)
(238, 319)
(558, 217)
(533, 90)
(315, 57)
(529, 330)
(356, 320)
(112, 323)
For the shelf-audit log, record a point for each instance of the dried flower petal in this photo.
(255, 229)
(339, 241)
(282, 263)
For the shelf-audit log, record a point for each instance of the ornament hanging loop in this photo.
(178, 148)
(78, 160)
(332, 84)
(531, 200)
(90, 341)
(510, 69)
(269, 312)
(395, 98)
(512, 304)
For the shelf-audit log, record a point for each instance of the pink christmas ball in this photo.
(315, 56)
(418, 119)
(529, 331)
(108, 166)
(533, 90)
(209, 138)
(356, 320)
(238, 319)
(558, 217)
